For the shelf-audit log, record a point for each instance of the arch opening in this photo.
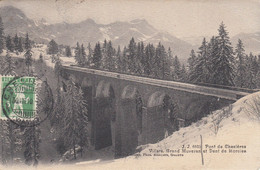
(103, 117)
(170, 115)
(129, 126)
(161, 117)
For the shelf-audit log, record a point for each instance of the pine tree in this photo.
(131, 56)
(58, 70)
(1, 35)
(76, 118)
(84, 56)
(170, 60)
(97, 56)
(59, 108)
(140, 58)
(223, 63)
(16, 43)
(149, 59)
(41, 58)
(9, 66)
(4, 141)
(183, 74)
(104, 54)
(32, 134)
(9, 43)
(109, 60)
(68, 51)
(157, 62)
(28, 60)
(20, 45)
(213, 48)
(78, 55)
(124, 60)
(53, 47)
(27, 44)
(11, 142)
(176, 69)
(240, 75)
(251, 71)
(31, 145)
(191, 63)
(1, 63)
(118, 59)
(201, 72)
(83, 121)
(58, 120)
(165, 64)
(90, 55)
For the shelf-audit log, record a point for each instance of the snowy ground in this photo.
(42, 49)
(239, 126)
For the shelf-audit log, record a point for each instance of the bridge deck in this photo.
(209, 91)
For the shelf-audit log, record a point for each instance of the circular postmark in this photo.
(19, 101)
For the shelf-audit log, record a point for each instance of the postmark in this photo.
(18, 98)
(19, 101)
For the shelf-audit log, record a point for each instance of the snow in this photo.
(165, 39)
(134, 29)
(42, 49)
(67, 60)
(256, 39)
(105, 32)
(19, 16)
(36, 23)
(137, 21)
(144, 38)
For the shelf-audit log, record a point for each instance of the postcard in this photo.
(128, 84)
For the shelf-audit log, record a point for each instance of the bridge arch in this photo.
(75, 79)
(160, 119)
(129, 124)
(103, 115)
(131, 92)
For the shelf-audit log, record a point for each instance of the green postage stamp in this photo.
(18, 98)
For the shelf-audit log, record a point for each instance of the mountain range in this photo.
(88, 31)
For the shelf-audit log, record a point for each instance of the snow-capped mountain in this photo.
(120, 33)
(251, 42)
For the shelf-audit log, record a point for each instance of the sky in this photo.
(182, 18)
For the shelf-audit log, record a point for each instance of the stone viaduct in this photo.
(126, 111)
